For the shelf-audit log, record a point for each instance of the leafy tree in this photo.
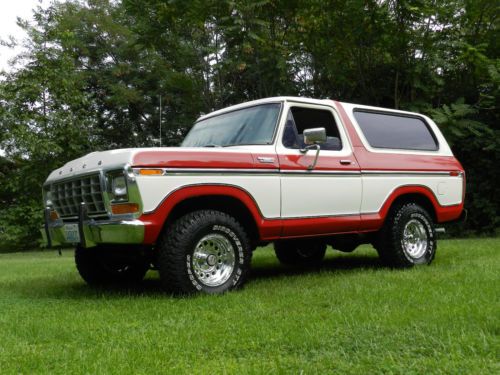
(94, 71)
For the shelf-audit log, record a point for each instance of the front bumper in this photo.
(93, 232)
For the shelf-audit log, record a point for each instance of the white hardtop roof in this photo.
(300, 99)
(274, 99)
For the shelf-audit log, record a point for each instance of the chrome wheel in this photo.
(213, 260)
(414, 239)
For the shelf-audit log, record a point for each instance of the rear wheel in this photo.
(295, 252)
(407, 237)
(204, 251)
(108, 265)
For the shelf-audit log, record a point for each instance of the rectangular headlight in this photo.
(117, 186)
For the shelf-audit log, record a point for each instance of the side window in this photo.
(388, 130)
(300, 119)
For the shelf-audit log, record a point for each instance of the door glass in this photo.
(300, 119)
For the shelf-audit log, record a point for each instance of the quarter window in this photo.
(300, 119)
(388, 130)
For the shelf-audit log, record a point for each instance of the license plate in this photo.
(71, 233)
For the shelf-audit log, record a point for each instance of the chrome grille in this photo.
(68, 195)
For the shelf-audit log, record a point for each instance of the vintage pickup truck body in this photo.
(276, 189)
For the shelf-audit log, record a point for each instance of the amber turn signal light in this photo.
(151, 172)
(54, 215)
(124, 208)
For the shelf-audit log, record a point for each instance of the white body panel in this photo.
(376, 189)
(93, 162)
(265, 189)
(315, 195)
(310, 196)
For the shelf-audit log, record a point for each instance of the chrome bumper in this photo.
(93, 232)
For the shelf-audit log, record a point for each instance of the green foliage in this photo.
(456, 123)
(93, 73)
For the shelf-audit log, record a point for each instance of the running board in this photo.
(440, 230)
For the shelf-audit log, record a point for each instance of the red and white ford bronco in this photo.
(300, 173)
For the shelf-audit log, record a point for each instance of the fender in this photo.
(154, 221)
(374, 221)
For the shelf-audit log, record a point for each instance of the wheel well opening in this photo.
(419, 199)
(229, 205)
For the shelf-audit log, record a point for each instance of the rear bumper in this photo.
(92, 233)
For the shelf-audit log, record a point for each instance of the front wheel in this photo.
(297, 252)
(204, 251)
(108, 265)
(408, 237)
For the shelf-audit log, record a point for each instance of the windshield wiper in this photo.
(212, 145)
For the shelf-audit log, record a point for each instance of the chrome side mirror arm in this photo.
(312, 147)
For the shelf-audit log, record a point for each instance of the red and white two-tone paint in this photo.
(197, 211)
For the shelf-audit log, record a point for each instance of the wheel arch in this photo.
(418, 194)
(230, 199)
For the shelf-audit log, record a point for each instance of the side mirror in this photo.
(314, 136)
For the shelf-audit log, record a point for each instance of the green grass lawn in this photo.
(349, 316)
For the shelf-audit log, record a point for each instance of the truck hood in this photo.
(241, 157)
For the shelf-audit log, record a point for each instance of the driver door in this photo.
(327, 198)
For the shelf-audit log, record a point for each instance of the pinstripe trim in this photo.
(276, 171)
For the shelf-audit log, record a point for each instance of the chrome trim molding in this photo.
(170, 171)
(93, 233)
(320, 172)
(406, 173)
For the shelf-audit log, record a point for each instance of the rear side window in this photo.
(387, 130)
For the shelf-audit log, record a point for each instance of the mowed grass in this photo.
(349, 316)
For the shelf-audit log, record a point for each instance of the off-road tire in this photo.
(99, 266)
(389, 242)
(300, 252)
(178, 245)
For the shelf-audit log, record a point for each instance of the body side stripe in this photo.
(231, 171)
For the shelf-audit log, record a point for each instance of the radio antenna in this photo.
(160, 120)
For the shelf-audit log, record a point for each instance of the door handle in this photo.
(265, 159)
(345, 162)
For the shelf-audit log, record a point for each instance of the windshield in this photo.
(247, 126)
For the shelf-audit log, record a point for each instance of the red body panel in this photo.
(272, 229)
(293, 162)
(182, 158)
